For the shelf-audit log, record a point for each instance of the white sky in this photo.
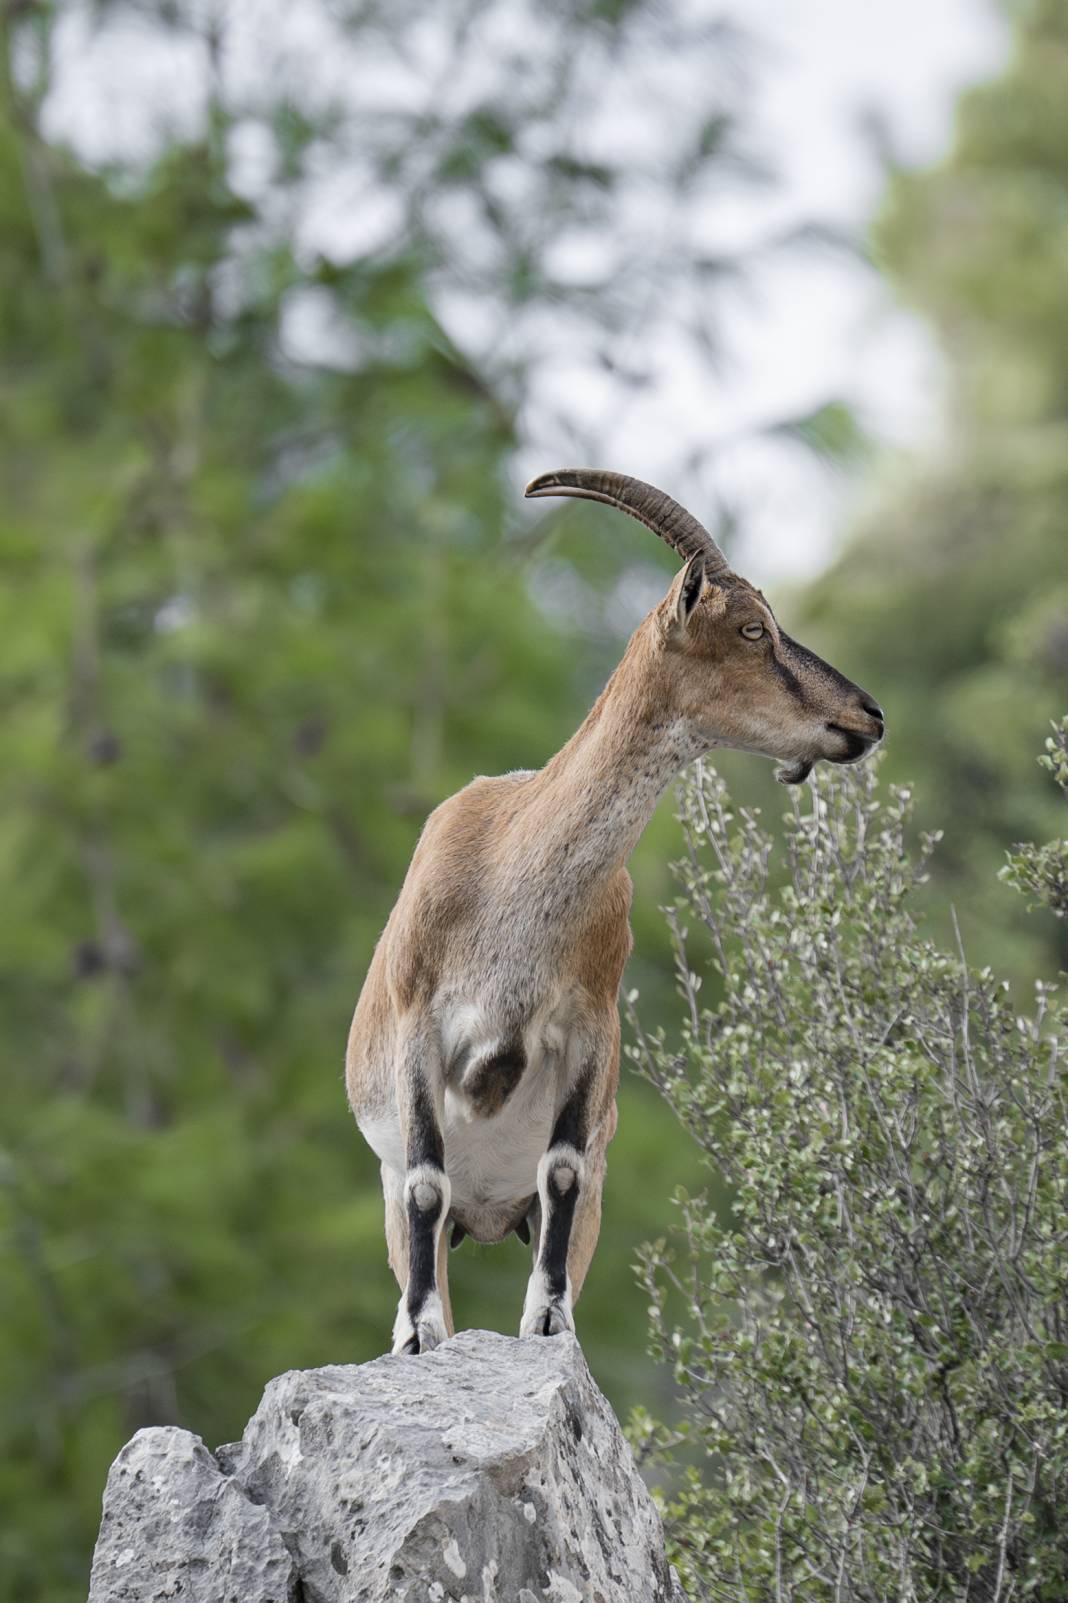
(809, 329)
(804, 329)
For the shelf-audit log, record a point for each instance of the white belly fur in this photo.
(495, 1160)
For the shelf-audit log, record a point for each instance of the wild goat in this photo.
(483, 1058)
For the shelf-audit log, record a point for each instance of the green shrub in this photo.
(1042, 871)
(873, 1349)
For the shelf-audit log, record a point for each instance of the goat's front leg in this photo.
(569, 1202)
(423, 1315)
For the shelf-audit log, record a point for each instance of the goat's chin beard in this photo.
(797, 772)
(794, 773)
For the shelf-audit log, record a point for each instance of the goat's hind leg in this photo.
(420, 1205)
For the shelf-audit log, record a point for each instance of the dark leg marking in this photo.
(557, 1236)
(422, 1277)
(547, 1308)
(426, 1190)
(572, 1125)
(425, 1141)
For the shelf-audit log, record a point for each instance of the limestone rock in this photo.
(488, 1471)
(175, 1526)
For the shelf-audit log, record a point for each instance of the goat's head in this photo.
(728, 670)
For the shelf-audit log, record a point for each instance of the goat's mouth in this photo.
(856, 744)
(797, 773)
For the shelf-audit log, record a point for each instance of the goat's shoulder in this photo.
(461, 840)
(445, 884)
(471, 820)
(603, 940)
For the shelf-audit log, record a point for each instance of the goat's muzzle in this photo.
(862, 735)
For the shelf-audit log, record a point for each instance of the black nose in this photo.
(873, 710)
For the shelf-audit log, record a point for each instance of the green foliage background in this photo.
(264, 604)
(266, 600)
(954, 594)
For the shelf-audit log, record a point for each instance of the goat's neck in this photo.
(599, 791)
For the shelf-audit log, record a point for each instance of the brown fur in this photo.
(496, 978)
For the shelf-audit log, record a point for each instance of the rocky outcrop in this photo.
(488, 1471)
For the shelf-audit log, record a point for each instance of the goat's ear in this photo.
(686, 591)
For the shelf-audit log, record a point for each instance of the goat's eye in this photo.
(752, 631)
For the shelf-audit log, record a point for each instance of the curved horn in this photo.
(650, 506)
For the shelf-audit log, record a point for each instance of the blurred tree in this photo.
(258, 617)
(952, 603)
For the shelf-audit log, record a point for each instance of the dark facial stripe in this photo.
(807, 664)
(788, 677)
